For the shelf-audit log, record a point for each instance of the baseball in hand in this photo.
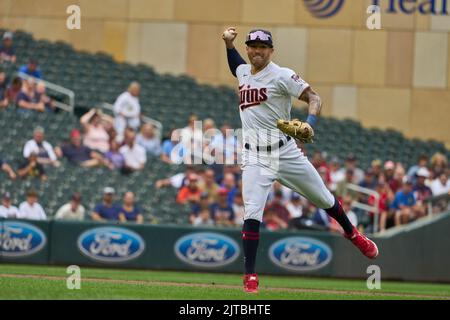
(229, 34)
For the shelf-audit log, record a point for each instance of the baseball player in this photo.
(265, 91)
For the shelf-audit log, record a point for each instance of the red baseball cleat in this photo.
(365, 245)
(251, 283)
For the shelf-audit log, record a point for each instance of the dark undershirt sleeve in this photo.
(234, 60)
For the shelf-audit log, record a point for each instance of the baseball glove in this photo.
(297, 129)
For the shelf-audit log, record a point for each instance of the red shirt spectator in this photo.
(191, 192)
(278, 208)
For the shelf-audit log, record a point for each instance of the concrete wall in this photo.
(397, 77)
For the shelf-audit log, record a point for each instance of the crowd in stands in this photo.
(394, 195)
(213, 193)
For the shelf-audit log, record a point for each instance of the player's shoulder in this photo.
(243, 69)
(286, 73)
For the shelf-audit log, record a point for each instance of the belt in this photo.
(268, 148)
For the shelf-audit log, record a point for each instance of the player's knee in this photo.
(325, 202)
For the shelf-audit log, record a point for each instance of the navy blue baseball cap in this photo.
(261, 36)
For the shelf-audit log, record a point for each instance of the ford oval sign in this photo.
(207, 249)
(300, 254)
(111, 244)
(18, 239)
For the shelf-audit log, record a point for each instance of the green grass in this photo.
(201, 286)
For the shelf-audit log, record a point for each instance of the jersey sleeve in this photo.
(291, 84)
(239, 71)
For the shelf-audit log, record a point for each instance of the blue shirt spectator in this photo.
(129, 211)
(106, 210)
(403, 198)
(130, 215)
(31, 69)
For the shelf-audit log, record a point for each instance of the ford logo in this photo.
(207, 249)
(18, 239)
(323, 8)
(111, 244)
(300, 254)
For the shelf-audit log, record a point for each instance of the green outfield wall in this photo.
(418, 252)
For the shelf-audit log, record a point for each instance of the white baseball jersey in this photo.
(264, 98)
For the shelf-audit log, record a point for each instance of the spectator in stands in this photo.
(190, 193)
(127, 109)
(114, 157)
(129, 211)
(421, 192)
(73, 210)
(342, 190)
(394, 175)
(7, 51)
(226, 143)
(438, 164)
(25, 99)
(347, 206)
(148, 140)
(31, 167)
(176, 181)
(272, 221)
(209, 185)
(369, 181)
(13, 90)
(238, 209)
(203, 219)
(173, 151)
(134, 155)
(277, 206)
(4, 102)
(95, 124)
(80, 155)
(42, 148)
(31, 69)
(5, 167)
(421, 162)
(41, 97)
(285, 191)
(377, 168)
(107, 210)
(222, 212)
(295, 206)
(335, 174)
(203, 204)
(229, 183)
(386, 216)
(7, 210)
(440, 185)
(352, 163)
(31, 209)
(403, 204)
(321, 219)
(319, 162)
(188, 136)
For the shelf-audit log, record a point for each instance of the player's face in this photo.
(259, 54)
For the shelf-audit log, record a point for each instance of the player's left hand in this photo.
(299, 130)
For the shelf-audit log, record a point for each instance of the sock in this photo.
(337, 212)
(250, 240)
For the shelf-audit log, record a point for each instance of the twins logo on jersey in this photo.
(249, 97)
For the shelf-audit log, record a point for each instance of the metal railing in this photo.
(364, 206)
(158, 125)
(52, 86)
